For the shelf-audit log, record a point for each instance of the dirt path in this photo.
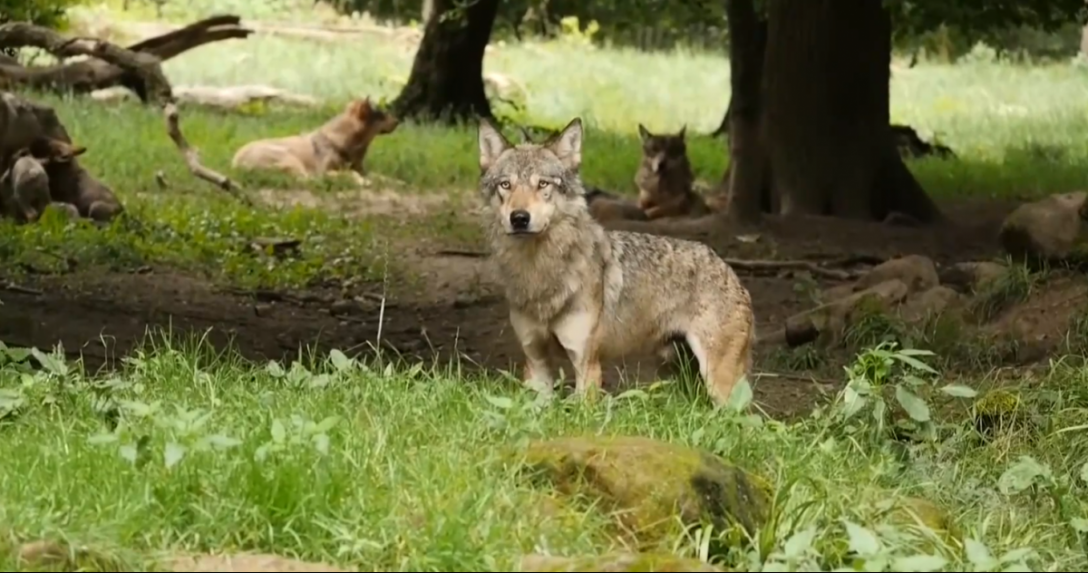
(103, 316)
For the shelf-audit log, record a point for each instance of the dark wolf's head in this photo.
(664, 170)
(529, 186)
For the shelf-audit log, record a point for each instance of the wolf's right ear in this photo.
(567, 144)
(492, 144)
(644, 133)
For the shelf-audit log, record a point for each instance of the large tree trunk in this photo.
(93, 74)
(819, 143)
(446, 82)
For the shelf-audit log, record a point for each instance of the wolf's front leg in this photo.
(579, 333)
(535, 341)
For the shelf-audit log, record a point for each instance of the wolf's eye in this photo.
(504, 185)
(543, 183)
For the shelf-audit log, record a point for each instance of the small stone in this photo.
(345, 306)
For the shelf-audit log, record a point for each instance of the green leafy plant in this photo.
(900, 369)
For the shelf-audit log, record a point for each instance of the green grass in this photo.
(1018, 131)
(414, 476)
(411, 468)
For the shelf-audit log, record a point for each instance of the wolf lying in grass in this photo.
(340, 144)
(44, 174)
(598, 294)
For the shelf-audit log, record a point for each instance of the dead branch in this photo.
(145, 66)
(192, 157)
(834, 274)
(93, 74)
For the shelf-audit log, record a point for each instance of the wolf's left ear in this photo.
(683, 131)
(492, 144)
(567, 145)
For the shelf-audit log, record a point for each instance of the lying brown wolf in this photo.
(338, 145)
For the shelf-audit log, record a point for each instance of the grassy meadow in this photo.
(402, 467)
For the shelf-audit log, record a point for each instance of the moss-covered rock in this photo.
(650, 486)
(614, 563)
(996, 410)
(915, 511)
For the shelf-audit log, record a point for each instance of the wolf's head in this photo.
(531, 186)
(665, 168)
(358, 124)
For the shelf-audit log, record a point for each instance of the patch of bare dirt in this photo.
(360, 202)
(1042, 323)
(461, 315)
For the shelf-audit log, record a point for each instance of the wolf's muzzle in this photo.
(519, 220)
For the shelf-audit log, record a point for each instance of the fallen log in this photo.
(143, 66)
(85, 76)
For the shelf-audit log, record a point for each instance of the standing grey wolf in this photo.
(598, 294)
(341, 143)
(665, 179)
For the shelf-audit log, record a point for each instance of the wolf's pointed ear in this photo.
(683, 131)
(567, 144)
(492, 144)
(644, 133)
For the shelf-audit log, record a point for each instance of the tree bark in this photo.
(94, 74)
(747, 179)
(446, 83)
(820, 125)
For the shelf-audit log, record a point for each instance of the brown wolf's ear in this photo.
(567, 144)
(492, 144)
(683, 131)
(644, 133)
(360, 108)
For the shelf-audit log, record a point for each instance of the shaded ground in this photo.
(461, 315)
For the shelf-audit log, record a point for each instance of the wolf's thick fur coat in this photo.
(598, 294)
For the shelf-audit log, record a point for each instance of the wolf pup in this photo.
(599, 294)
(665, 179)
(340, 143)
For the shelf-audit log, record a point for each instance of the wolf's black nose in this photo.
(519, 220)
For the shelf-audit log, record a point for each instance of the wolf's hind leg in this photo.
(725, 355)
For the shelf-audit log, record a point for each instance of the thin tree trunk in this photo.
(446, 83)
(825, 114)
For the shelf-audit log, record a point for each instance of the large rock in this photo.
(1047, 229)
(831, 319)
(647, 484)
(617, 562)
